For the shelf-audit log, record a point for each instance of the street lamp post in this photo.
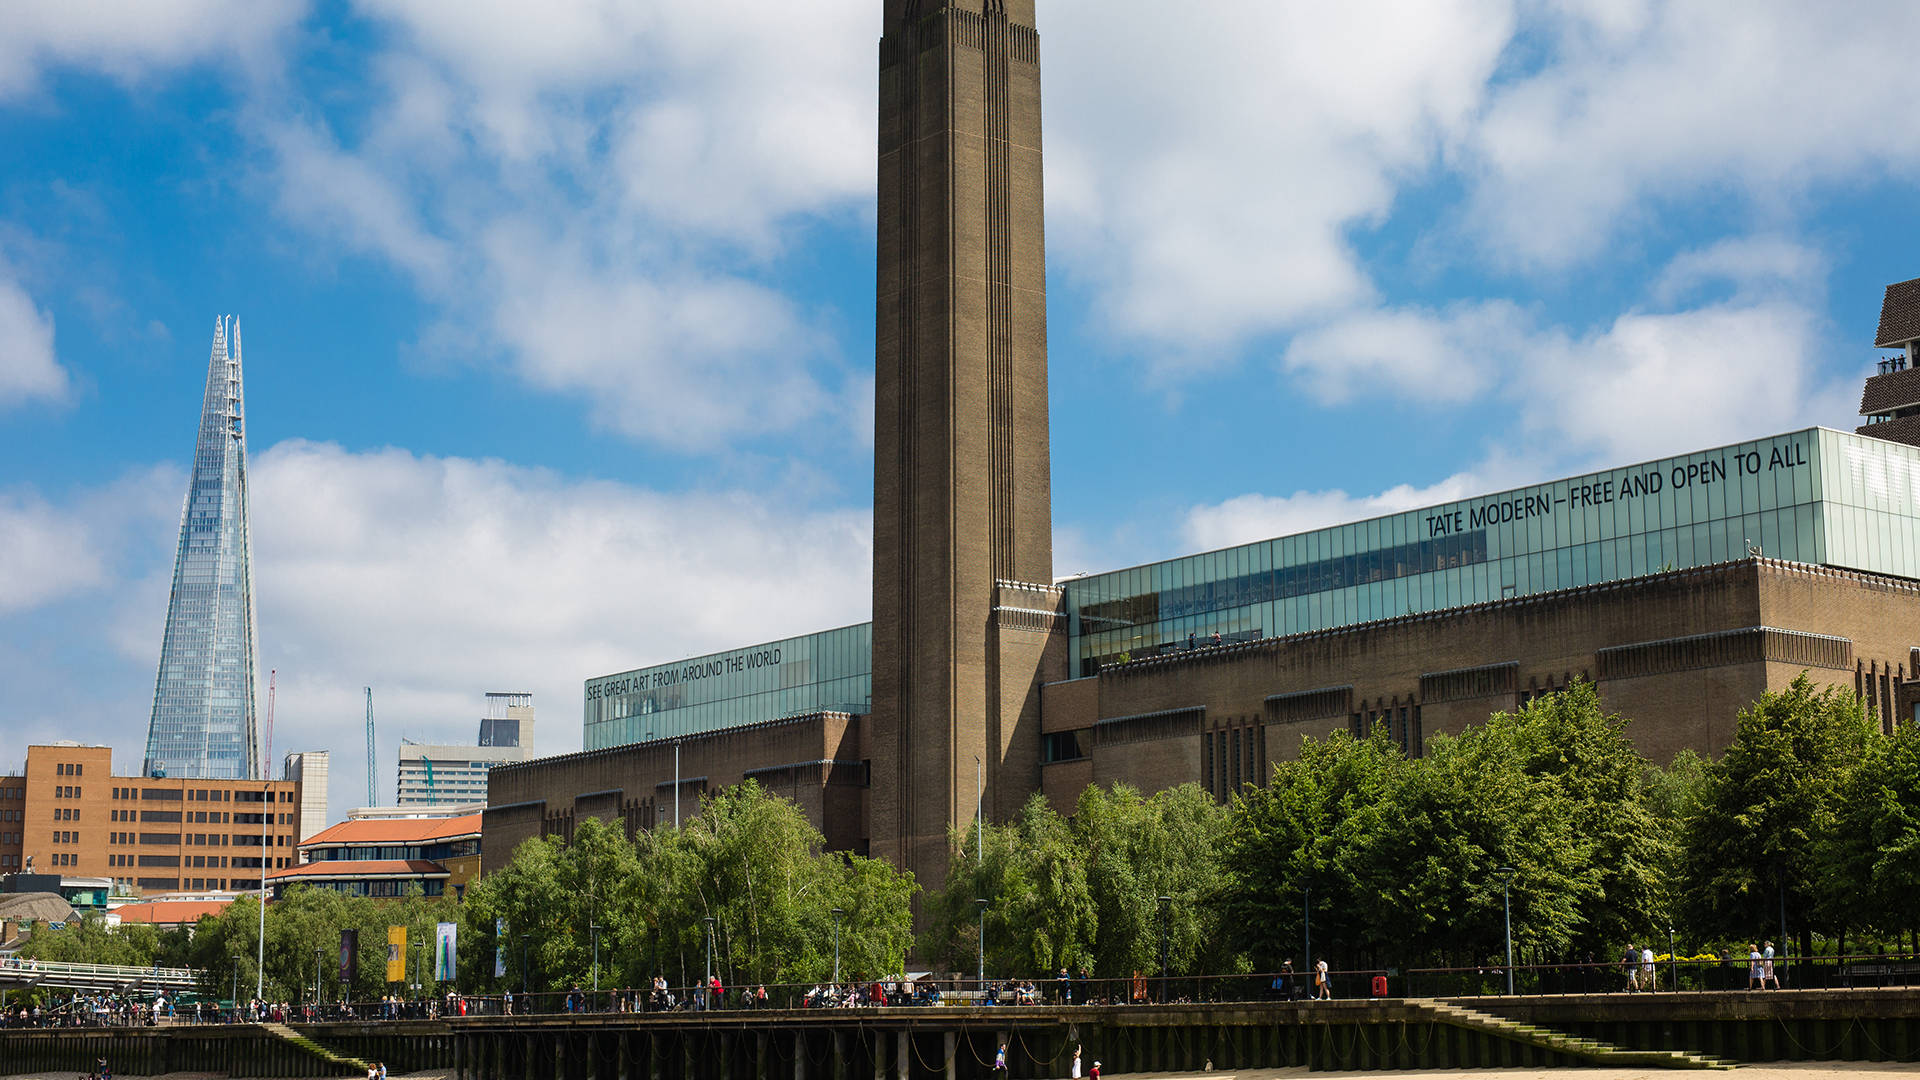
(1505, 874)
(837, 914)
(1306, 916)
(260, 974)
(1165, 903)
(594, 927)
(1673, 959)
(981, 903)
(706, 989)
(317, 954)
(523, 967)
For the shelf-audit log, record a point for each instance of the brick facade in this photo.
(75, 818)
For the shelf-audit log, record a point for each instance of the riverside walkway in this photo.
(1688, 1030)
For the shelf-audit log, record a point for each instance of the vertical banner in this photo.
(396, 954)
(349, 959)
(443, 951)
(499, 948)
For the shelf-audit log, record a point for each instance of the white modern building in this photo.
(435, 775)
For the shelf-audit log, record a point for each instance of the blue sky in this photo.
(559, 317)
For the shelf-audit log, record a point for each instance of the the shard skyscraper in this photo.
(203, 722)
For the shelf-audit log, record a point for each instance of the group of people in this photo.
(377, 1071)
(1286, 984)
(1760, 975)
(1638, 965)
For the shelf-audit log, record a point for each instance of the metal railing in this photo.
(17, 971)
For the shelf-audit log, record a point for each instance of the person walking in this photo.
(1646, 968)
(1767, 975)
(1076, 1064)
(1000, 1061)
(1322, 983)
(1628, 961)
(1754, 976)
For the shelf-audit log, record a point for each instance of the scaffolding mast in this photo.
(373, 763)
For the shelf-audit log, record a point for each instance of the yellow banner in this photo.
(396, 954)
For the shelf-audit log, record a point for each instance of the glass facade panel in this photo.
(831, 671)
(1693, 510)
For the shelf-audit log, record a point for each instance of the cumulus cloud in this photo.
(1633, 106)
(28, 367)
(1451, 355)
(1204, 174)
(132, 39)
(435, 579)
(1246, 518)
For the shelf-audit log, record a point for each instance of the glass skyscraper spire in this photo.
(203, 722)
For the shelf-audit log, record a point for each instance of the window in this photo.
(164, 839)
(1060, 746)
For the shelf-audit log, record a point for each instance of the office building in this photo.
(433, 775)
(77, 818)
(309, 768)
(203, 724)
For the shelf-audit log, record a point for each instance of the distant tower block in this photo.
(204, 725)
(961, 470)
(1891, 400)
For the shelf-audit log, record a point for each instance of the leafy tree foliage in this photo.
(1754, 843)
(750, 862)
(1084, 892)
(1869, 861)
(1398, 861)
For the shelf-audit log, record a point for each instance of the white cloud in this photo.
(436, 579)
(1246, 518)
(1451, 356)
(131, 39)
(1206, 164)
(57, 550)
(1653, 384)
(1747, 358)
(49, 554)
(28, 368)
(1638, 105)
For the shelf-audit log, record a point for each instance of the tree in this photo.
(1870, 858)
(1751, 858)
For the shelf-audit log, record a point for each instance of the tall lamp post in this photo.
(260, 961)
(1306, 922)
(317, 954)
(1165, 903)
(706, 989)
(981, 903)
(1505, 874)
(523, 967)
(594, 929)
(837, 914)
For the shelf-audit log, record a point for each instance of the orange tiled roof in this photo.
(394, 831)
(351, 868)
(169, 912)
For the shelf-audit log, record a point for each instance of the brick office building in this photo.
(73, 816)
(1683, 587)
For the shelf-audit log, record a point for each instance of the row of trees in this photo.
(1397, 861)
(1811, 818)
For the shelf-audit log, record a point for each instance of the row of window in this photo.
(174, 839)
(11, 815)
(67, 768)
(14, 794)
(9, 838)
(66, 837)
(62, 858)
(66, 813)
(66, 791)
(137, 794)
